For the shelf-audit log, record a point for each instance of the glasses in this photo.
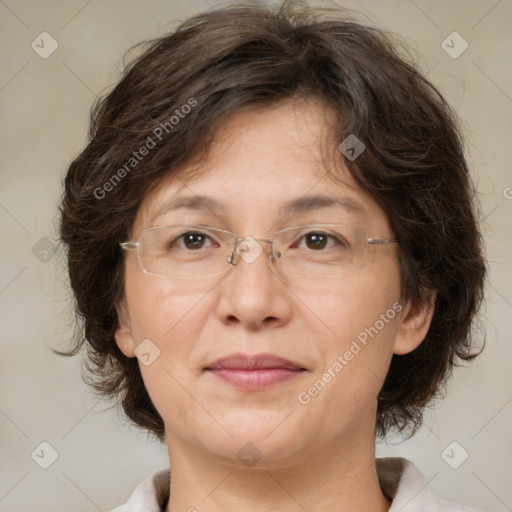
(316, 250)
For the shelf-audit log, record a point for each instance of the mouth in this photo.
(254, 372)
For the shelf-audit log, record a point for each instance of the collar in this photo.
(400, 481)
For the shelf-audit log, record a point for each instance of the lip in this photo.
(254, 372)
(253, 362)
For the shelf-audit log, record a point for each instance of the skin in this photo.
(318, 457)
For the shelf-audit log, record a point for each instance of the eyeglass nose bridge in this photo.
(249, 250)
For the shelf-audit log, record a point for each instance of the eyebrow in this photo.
(300, 205)
(190, 203)
(310, 203)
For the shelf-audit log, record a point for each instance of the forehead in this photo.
(266, 162)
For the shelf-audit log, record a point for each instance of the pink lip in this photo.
(254, 372)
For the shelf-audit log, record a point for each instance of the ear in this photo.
(414, 325)
(123, 334)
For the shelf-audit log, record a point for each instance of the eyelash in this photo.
(336, 240)
(181, 237)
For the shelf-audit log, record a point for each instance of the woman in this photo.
(273, 248)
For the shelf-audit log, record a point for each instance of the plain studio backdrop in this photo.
(46, 90)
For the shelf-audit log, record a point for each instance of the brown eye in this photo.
(194, 240)
(191, 241)
(316, 240)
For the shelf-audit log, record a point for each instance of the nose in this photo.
(254, 294)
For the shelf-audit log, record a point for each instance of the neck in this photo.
(333, 476)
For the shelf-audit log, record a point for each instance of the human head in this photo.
(181, 90)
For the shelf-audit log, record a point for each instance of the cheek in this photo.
(346, 307)
(162, 309)
(357, 322)
(171, 316)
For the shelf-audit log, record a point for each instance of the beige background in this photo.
(44, 110)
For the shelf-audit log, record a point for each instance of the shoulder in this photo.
(403, 483)
(151, 495)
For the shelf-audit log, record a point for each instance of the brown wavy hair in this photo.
(246, 56)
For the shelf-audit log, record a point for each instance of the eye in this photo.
(319, 240)
(316, 240)
(193, 240)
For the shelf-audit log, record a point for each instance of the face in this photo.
(339, 333)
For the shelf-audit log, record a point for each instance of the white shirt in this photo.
(400, 481)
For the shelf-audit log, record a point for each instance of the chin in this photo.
(258, 440)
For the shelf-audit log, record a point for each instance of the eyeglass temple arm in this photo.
(129, 246)
(382, 241)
